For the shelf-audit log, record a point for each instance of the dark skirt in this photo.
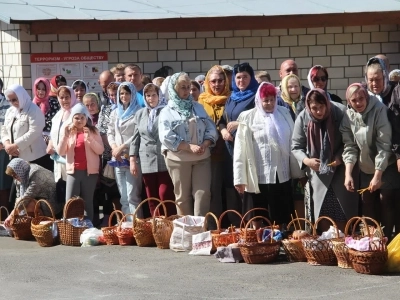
(5, 180)
(390, 178)
(331, 207)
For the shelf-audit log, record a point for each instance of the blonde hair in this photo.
(158, 81)
(94, 98)
(118, 67)
(10, 172)
(183, 77)
(260, 74)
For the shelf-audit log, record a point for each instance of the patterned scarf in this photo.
(321, 134)
(153, 110)
(214, 104)
(133, 106)
(182, 106)
(21, 168)
(43, 103)
(285, 95)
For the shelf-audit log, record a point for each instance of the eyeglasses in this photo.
(12, 100)
(322, 78)
(219, 81)
(241, 67)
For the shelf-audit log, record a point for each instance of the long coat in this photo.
(321, 182)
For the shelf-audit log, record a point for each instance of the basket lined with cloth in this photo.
(249, 235)
(368, 254)
(21, 219)
(44, 228)
(259, 252)
(294, 247)
(227, 236)
(110, 232)
(320, 251)
(70, 234)
(163, 225)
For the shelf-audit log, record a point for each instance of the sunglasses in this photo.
(241, 67)
(322, 78)
(12, 100)
(217, 81)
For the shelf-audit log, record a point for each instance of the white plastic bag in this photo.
(90, 237)
(184, 229)
(201, 243)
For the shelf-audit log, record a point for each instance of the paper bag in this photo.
(184, 229)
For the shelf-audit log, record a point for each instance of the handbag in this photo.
(108, 172)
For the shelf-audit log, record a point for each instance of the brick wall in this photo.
(343, 50)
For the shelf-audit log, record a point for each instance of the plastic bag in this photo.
(91, 237)
(393, 263)
(184, 229)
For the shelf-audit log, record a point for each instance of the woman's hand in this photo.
(226, 135)
(116, 152)
(375, 184)
(349, 183)
(195, 149)
(232, 126)
(86, 133)
(50, 148)
(133, 166)
(398, 165)
(12, 149)
(7, 221)
(312, 163)
(67, 130)
(240, 188)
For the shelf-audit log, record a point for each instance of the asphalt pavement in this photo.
(28, 271)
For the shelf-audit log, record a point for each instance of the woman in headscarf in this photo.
(291, 95)
(186, 133)
(35, 182)
(377, 78)
(21, 133)
(120, 134)
(80, 89)
(145, 150)
(244, 88)
(262, 156)
(213, 99)
(195, 89)
(55, 83)
(367, 135)
(81, 144)
(5, 181)
(318, 148)
(318, 78)
(67, 100)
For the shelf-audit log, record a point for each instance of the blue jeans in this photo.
(130, 189)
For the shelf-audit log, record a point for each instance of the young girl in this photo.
(80, 89)
(92, 103)
(82, 146)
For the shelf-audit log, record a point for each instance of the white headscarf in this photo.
(23, 98)
(164, 88)
(153, 110)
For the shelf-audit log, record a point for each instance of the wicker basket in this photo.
(142, 228)
(370, 262)
(214, 233)
(43, 233)
(69, 234)
(4, 232)
(225, 239)
(320, 252)
(259, 252)
(21, 224)
(110, 232)
(249, 235)
(163, 226)
(294, 248)
(125, 235)
(341, 250)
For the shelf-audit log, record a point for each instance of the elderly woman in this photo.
(80, 89)
(291, 95)
(120, 134)
(186, 133)
(33, 181)
(377, 78)
(318, 147)
(244, 88)
(213, 99)
(318, 78)
(262, 155)
(5, 181)
(146, 148)
(367, 135)
(21, 133)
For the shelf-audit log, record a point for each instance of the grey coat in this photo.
(321, 182)
(146, 145)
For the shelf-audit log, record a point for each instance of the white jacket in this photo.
(27, 131)
(244, 162)
(121, 132)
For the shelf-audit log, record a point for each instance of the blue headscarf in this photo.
(133, 105)
(238, 95)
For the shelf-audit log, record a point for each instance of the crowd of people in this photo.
(229, 139)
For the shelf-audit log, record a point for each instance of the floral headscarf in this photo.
(182, 106)
(43, 103)
(21, 168)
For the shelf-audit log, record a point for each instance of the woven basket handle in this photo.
(206, 223)
(172, 201)
(348, 224)
(37, 205)
(299, 219)
(244, 216)
(6, 209)
(141, 204)
(330, 220)
(70, 202)
(22, 202)
(363, 219)
(122, 220)
(228, 211)
(119, 214)
(158, 207)
(252, 219)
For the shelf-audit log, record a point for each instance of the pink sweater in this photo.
(93, 148)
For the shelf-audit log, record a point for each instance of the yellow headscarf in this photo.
(285, 92)
(214, 104)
